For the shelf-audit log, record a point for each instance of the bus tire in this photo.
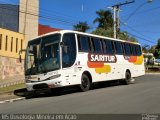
(127, 79)
(85, 83)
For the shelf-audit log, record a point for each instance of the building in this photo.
(43, 29)
(9, 17)
(10, 44)
(18, 24)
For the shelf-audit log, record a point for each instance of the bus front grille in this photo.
(40, 86)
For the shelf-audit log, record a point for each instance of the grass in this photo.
(12, 88)
(153, 69)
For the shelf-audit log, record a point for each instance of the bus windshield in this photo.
(43, 55)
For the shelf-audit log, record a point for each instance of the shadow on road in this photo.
(61, 91)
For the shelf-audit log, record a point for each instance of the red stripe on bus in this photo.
(95, 64)
(133, 59)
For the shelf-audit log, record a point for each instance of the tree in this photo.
(152, 49)
(132, 39)
(145, 48)
(81, 27)
(124, 36)
(103, 32)
(157, 50)
(104, 19)
(105, 26)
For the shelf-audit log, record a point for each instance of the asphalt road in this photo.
(141, 97)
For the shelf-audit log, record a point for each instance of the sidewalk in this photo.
(9, 97)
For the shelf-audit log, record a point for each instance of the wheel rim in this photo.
(128, 77)
(85, 83)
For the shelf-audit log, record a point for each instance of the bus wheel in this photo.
(85, 83)
(127, 79)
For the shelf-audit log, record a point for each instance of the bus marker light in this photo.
(51, 86)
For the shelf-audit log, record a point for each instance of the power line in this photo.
(152, 32)
(134, 11)
(47, 17)
(137, 31)
(48, 12)
(116, 9)
(58, 14)
(142, 38)
(144, 11)
(70, 23)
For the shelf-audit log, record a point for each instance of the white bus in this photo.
(67, 58)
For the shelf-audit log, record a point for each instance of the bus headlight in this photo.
(28, 81)
(54, 77)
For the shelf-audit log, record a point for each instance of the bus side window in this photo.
(109, 46)
(132, 49)
(118, 48)
(97, 45)
(139, 51)
(127, 49)
(83, 43)
(103, 45)
(68, 50)
(134, 52)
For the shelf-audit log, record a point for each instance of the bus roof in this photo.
(82, 33)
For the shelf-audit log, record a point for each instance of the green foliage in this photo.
(124, 36)
(152, 49)
(81, 27)
(158, 44)
(148, 56)
(145, 48)
(103, 32)
(157, 53)
(132, 39)
(105, 26)
(157, 50)
(104, 19)
(12, 88)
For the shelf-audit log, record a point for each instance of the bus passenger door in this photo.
(68, 57)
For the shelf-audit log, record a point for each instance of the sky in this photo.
(140, 19)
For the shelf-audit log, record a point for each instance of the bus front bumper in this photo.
(40, 85)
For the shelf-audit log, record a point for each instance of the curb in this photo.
(12, 100)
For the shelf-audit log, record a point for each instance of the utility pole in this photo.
(116, 10)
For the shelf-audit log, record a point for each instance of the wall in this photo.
(9, 17)
(10, 44)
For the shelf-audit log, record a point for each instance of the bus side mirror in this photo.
(20, 57)
(61, 44)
